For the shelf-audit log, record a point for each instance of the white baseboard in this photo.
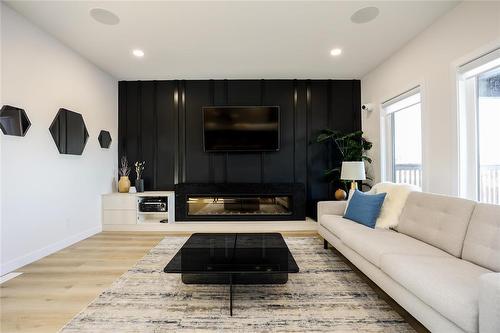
(45, 251)
(9, 276)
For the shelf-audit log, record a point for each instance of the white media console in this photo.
(123, 209)
(120, 212)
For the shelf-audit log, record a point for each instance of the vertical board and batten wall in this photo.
(160, 122)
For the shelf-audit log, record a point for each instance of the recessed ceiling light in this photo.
(138, 53)
(365, 15)
(336, 52)
(104, 16)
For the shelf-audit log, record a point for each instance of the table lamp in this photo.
(353, 171)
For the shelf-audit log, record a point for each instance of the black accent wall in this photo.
(160, 122)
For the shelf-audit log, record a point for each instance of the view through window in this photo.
(488, 115)
(479, 97)
(405, 159)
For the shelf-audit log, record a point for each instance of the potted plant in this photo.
(345, 147)
(139, 182)
(124, 171)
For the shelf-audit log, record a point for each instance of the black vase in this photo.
(139, 185)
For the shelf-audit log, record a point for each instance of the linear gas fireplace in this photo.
(222, 202)
(239, 205)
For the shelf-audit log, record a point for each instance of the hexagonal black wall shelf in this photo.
(69, 132)
(14, 121)
(104, 139)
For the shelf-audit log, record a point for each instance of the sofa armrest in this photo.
(331, 208)
(489, 303)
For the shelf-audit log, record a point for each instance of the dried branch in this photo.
(124, 169)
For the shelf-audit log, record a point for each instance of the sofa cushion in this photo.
(393, 203)
(373, 245)
(447, 284)
(340, 226)
(364, 208)
(489, 303)
(437, 220)
(482, 241)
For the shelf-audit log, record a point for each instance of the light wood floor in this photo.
(54, 289)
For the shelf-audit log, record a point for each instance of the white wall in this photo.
(51, 200)
(430, 60)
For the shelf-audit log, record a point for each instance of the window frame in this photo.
(469, 178)
(388, 167)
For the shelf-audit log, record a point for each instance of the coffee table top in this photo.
(221, 253)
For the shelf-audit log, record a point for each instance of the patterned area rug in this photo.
(325, 296)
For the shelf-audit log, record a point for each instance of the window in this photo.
(404, 138)
(479, 119)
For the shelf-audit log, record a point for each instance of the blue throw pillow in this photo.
(365, 208)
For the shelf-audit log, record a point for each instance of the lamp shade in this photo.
(353, 171)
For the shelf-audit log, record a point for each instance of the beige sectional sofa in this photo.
(441, 264)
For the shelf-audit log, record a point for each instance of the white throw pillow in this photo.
(349, 196)
(393, 203)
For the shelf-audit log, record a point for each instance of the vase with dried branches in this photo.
(124, 171)
(139, 182)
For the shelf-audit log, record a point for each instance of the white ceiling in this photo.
(234, 39)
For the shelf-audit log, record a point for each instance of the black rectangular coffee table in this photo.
(233, 258)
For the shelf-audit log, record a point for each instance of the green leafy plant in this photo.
(352, 147)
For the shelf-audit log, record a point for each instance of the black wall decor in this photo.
(160, 122)
(69, 132)
(14, 121)
(104, 139)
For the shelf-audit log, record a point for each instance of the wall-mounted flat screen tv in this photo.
(241, 128)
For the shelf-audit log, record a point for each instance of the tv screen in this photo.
(241, 128)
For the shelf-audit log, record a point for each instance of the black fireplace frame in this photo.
(295, 190)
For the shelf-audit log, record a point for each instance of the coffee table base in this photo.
(235, 278)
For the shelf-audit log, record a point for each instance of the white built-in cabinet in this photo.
(123, 208)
